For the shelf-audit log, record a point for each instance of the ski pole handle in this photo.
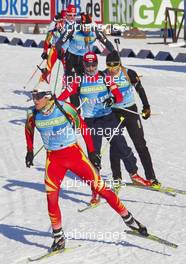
(39, 68)
(117, 41)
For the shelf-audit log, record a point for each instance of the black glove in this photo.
(95, 159)
(29, 158)
(44, 55)
(57, 17)
(146, 112)
(109, 102)
(60, 55)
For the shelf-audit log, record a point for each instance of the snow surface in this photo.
(24, 224)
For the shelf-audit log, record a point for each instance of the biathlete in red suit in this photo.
(56, 122)
(61, 21)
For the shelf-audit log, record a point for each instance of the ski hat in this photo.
(63, 14)
(90, 60)
(113, 58)
(85, 18)
(90, 57)
(71, 9)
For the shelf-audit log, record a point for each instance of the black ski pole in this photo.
(117, 41)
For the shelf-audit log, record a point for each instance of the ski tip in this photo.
(52, 253)
(152, 237)
(173, 194)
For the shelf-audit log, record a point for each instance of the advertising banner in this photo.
(139, 13)
(93, 7)
(151, 13)
(118, 12)
(27, 11)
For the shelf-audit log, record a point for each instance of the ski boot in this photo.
(138, 180)
(95, 199)
(59, 240)
(133, 224)
(155, 184)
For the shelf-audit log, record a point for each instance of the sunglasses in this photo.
(89, 64)
(113, 64)
(39, 95)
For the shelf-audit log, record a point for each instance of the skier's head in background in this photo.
(63, 14)
(90, 63)
(113, 63)
(42, 96)
(59, 19)
(86, 23)
(71, 14)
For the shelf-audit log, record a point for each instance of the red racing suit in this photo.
(71, 157)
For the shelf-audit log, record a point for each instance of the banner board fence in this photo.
(134, 13)
(93, 7)
(139, 13)
(27, 11)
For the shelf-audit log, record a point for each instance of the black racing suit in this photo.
(134, 127)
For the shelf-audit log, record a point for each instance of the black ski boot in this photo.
(59, 240)
(134, 224)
